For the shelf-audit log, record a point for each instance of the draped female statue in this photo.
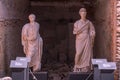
(32, 42)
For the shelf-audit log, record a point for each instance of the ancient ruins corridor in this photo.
(56, 18)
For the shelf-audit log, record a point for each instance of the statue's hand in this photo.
(79, 32)
(92, 42)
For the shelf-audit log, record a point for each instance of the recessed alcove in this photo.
(56, 18)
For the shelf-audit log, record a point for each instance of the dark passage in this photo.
(56, 19)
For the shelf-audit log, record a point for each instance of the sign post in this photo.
(19, 70)
(107, 70)
(95, 63)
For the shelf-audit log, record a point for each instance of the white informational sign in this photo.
(18, 64)
(107, 66)
(24, 59)
(98, 61)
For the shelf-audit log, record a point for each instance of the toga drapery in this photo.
(32, 43)
(85, 34)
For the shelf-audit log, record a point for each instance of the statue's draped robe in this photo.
(85, 34)
(32, 43)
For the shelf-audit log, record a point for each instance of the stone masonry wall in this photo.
(105, 43)
(117, 55)
(12, 18)
(104, 25)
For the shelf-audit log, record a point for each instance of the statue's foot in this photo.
(36, 68)
(74, 69)
(85, 69)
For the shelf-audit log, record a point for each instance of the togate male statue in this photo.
(85, 33)
(32, 43)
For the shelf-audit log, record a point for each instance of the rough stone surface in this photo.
(13, 47)
(13, 9)
(12, 18)
(117, 56)
(105, 30)
(2, 49)
(56, 31)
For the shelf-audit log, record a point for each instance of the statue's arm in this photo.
(75, 28)
(92, 33)
(23, 38)
(92, 30)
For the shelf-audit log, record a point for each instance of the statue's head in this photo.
(83, 13)
(32, 18)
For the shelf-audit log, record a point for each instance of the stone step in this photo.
(39, 76)
(80, 76)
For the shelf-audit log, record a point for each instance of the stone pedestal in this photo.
(80, 76)
(39, 75)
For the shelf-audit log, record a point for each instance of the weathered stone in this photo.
(11, 22)
(118, 11)
(118, 38)
(118, 28)
(118, 44)
(118, 18)
(118, 51)
(118, 48)
(60, 15)
(118, 41)
(117, 34)
(118, 4)
(118, 57)
(118, 22)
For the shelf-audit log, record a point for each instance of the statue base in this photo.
(80, 76)
(39, 76)
(2, 73)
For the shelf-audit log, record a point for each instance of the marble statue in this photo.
(32, 43)
(85, 33)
